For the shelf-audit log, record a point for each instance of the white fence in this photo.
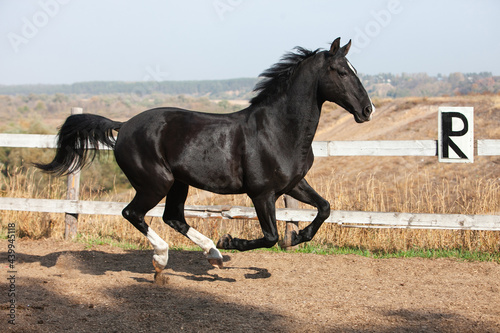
(321, 149)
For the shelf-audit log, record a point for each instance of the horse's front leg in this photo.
(266, 213)
(305, 193)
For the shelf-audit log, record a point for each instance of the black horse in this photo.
(263, 151)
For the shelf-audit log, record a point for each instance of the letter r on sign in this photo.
(456, 134)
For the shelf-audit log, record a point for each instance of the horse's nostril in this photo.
(367, 111)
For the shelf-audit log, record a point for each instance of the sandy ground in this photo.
(64, 286)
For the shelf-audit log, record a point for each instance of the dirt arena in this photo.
(63, 286)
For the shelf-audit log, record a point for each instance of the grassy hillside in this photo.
(408, 119)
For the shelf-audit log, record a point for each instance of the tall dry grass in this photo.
(413, 193)
(416, 192)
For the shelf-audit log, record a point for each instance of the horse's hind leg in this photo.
(305, 193)
(174, 217)
(134, 213)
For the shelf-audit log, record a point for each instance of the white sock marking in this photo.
(160, 247)
(205, 243)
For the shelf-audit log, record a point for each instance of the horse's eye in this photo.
(339, 71)
(342, 72)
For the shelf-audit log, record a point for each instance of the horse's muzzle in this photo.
(365, 115)
(368, 111)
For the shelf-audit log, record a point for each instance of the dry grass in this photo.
(412, 193)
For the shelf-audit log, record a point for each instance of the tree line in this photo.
(216, 89)
(380, 85)
(423, 85)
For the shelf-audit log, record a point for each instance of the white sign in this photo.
(456, 134)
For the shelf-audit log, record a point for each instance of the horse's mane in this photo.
(276, 79)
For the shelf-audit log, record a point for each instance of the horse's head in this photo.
(339, 83)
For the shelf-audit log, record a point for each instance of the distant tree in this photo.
(455, 79)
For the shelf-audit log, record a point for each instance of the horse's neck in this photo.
(300, 110)
(292, 118)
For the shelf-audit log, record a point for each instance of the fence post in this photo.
(71, 220)
(290, 226)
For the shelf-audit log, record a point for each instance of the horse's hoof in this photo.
(159, 278)
(225, 242)
(217, 263)
(287, 242)
(158, 267)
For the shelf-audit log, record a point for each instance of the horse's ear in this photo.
(335, 46)
(346, 47)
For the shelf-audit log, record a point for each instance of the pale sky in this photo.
(67, 41)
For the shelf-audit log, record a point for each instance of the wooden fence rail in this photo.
(341, 217)
(321, 149)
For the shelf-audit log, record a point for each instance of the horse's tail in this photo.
(78, 142)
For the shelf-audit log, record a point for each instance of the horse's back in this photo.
(174, 123)
(200, 149)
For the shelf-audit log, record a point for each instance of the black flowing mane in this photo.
(277, 78)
